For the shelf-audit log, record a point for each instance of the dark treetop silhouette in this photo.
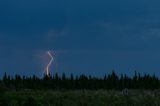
(56, 82)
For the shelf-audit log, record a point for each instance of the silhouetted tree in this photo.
(56, 82)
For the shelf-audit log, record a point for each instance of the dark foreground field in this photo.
(80, 98)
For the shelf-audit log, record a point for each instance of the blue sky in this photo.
(88, 36)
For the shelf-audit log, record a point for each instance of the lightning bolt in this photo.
(49, 64)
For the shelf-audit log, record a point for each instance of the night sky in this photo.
(87, 36)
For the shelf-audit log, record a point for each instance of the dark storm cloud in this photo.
(95, 27)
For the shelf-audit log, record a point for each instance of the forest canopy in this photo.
(57, 82)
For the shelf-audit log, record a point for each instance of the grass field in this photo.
(80, 98)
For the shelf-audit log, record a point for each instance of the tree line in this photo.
(63, 82)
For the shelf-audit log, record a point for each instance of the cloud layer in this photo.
(81, 29)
